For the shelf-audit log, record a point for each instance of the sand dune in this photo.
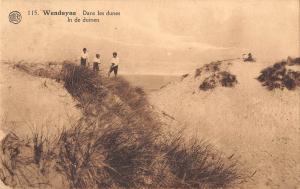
(261, 127)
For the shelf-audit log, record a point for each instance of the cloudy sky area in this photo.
(155, 37)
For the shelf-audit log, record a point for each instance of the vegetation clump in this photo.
(227, 79)
(223, 78)
(215, 74)
(279, 76)
(211, 67)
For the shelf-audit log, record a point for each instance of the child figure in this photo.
(96, 63)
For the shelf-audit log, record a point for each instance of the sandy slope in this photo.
(261, 127)
(27, 101)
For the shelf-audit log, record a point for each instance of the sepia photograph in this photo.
(150, 94)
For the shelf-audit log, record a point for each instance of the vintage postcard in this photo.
(150, 94)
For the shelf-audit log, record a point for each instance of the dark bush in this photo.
(207, 84)
(227, 79)
(224, 78)
(216, 76)
(211, 67)
(278, 76)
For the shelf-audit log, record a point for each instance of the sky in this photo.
(154, 37)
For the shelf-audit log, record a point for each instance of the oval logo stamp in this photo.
(15, 17)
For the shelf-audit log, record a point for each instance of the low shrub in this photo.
(216, 76)
(207, 84)
(279, 76)
(211, 67)
(224, 78)
(227, 79)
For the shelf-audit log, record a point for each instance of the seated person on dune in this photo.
(249, 58)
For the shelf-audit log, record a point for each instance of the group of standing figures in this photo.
(96, 62)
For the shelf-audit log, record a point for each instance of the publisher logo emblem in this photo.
(15, 17)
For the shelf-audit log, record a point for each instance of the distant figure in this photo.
(84, 57)
(114, 64)
(249, 58)
(96, 63)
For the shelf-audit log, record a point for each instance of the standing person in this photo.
(96, 63)
(114, 64)
(84, 57)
